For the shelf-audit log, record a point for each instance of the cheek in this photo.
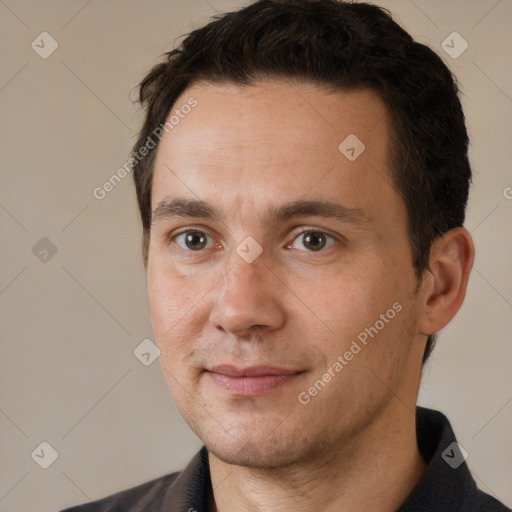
(178, 313)
(171, 307)
(163, 305)
(170, 294)
(344, 302)
(367, 306)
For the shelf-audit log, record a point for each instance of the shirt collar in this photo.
(446, 484)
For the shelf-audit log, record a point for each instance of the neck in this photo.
(376, 470)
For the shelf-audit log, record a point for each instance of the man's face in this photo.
(244, 339)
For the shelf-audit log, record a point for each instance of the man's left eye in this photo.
(314, 241)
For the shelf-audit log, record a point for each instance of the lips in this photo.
(254, 380)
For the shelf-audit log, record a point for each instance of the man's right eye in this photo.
(193, 240)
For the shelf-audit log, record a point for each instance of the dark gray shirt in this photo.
(446, 485)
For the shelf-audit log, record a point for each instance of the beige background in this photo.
(69, 325)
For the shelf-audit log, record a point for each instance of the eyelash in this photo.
(173, 236)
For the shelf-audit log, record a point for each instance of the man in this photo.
(302, 215)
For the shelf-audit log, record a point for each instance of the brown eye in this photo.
(193, 240)
(314, 241)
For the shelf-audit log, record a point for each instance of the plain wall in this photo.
(70, 324)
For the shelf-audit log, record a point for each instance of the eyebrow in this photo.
(182, 207)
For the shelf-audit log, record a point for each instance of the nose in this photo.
(249, 298)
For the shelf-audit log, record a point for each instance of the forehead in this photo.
(287, 140)
(270, 112)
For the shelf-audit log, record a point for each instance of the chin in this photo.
(249, 455)
(252, 456)
(258, 449)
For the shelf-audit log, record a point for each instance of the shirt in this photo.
(445, 486)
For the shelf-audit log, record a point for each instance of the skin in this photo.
(296, 306)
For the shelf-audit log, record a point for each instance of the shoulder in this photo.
(130, 500)
(447, 483)
(182, 490)
(486, 503)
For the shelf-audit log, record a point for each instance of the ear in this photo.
(444, 287)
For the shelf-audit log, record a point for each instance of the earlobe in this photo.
(451, 260)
